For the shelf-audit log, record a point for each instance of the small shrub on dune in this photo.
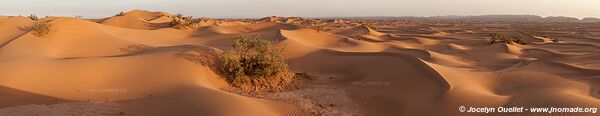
(120, 14)
(545, 36)
(314, 25)
(33, 17)
(551, 39)
(204, 19)
(179, 16)
(255, 64)
(313, 21)
(508, 39)
(555, 41)
(517, 39)
(369, 25)
(182, 22)
(41, 28)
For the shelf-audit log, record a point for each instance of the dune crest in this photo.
(140, 19)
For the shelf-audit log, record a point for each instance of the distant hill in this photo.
(494, 18)
(560, 19)
(526, 18)
(590, 19)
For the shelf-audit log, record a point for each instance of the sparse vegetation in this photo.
(179, 16)
(314, 25)
(33, 17)
(318, 27)
(182, 22)
(41, 28)
(551, 39)
(204, 19)
(504, 38)
(370, 25)
(255, 64)
(545, 36)
(555, 40)
(120, 14)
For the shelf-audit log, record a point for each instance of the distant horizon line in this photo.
(389, 16)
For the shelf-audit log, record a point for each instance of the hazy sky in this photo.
(306, 8)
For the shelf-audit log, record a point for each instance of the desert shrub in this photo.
(231, 66)
(182, 22)
(255, 64)
(555, 40)
(314, 25)
(372, 26)
(41, 28)
(120, 14)
(317, 27)
(33, 17)
(179, 16)
(508, 39)
(545, 36)
(313, 21)
(204, 19)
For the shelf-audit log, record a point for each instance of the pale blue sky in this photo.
(306, 8)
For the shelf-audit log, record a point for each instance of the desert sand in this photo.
(137, 65)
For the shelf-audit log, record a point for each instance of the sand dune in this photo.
(355, 73)
(137, 65)
(250, 28)
(139, 19)
(12, 97)
(13, 28)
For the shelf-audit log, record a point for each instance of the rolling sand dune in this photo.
(13, 28)
(12, 97)
(136, 64)
(230, 28)
(139, 19)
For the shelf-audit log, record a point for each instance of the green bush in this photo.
(508, 39)
(41, 28)
(255, 64)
